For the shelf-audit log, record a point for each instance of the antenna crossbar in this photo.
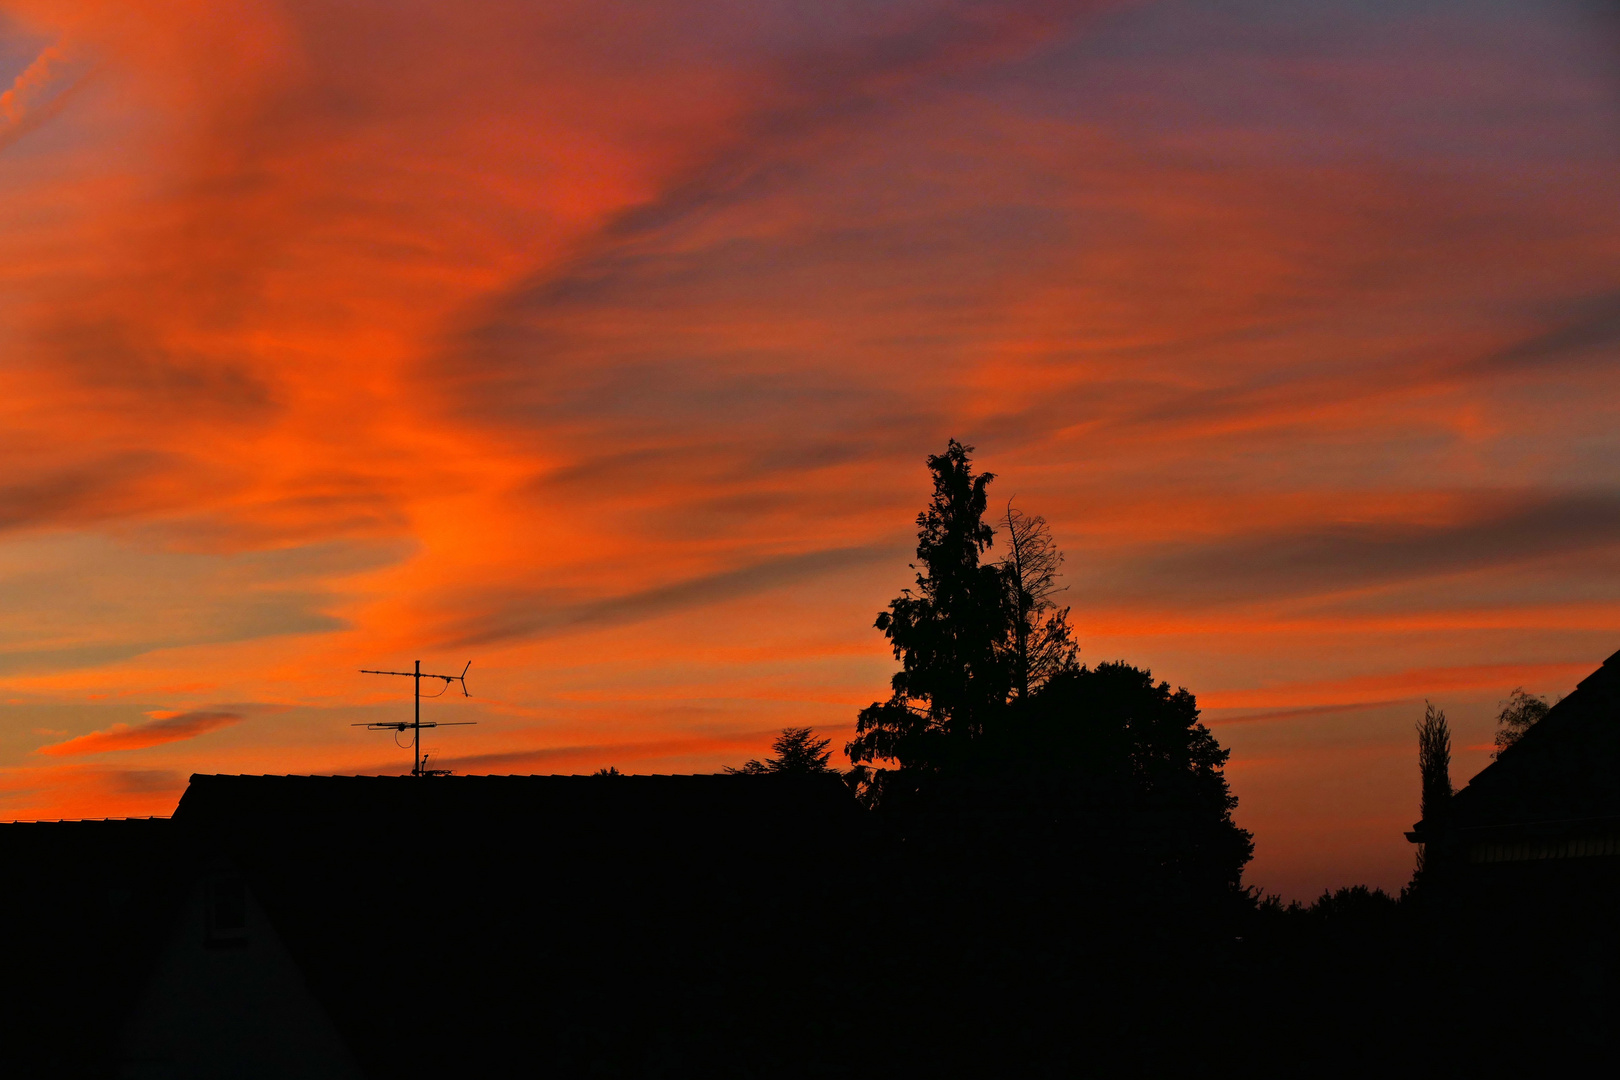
(418, 767)
(406, 725)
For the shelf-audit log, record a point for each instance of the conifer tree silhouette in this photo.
(1434, 769)
(949, 633)
(798, 752)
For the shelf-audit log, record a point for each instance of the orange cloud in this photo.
(1388, 687)
(165, 729)
(79, 790)
(34, 95)
(604, 340)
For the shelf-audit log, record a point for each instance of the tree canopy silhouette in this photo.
(1043, 643)
(1129, 744)
(798, 752)
(1434, 762)
(1519, 713)
(990, 687)
(949, 634)
(1434, 772)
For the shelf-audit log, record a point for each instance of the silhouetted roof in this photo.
(489, 798)
(1565, 769)
(600, 903)
(86, 824)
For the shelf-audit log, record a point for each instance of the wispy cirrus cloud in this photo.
(156, 732)
(541, 614)
(607, 339)
(1386, 688)
(79, 789)
(1484, 534)
(39, 92)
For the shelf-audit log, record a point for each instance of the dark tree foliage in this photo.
(1346, 906)
(991, 714)
(1434, 771)
(1520, 712)
(1043, 643)
(798, 752)
(1329, 985)
(1434, 763)
(1140, 746)
(949, 633)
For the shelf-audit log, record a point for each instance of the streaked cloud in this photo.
(509, 615)
(40, 91)
(1496, 534)
(164, 729)
(1584, 329)
(603, 342)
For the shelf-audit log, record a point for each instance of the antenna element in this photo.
(419, 766)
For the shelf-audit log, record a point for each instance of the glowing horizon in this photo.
(601, 345)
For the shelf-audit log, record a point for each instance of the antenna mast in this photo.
(415, 726)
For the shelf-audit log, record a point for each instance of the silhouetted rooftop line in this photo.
(647, 798)
(86, 821)
(723, 777)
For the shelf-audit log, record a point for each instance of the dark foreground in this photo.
(744, 926)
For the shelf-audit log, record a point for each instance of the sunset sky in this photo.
(601, 344)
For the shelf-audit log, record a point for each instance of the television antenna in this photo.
(418, 767)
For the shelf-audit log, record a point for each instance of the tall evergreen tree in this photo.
(1434, 769)
(798, 752)
(1037, 749)
(949, 633)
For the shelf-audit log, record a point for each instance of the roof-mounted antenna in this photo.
(419, 765)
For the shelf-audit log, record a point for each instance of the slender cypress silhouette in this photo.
(1434, 769)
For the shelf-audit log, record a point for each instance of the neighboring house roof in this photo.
(586, 903)
(1564, 768)
(355, 799)
(417, 820)
(1554, 793)
(601, 907)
